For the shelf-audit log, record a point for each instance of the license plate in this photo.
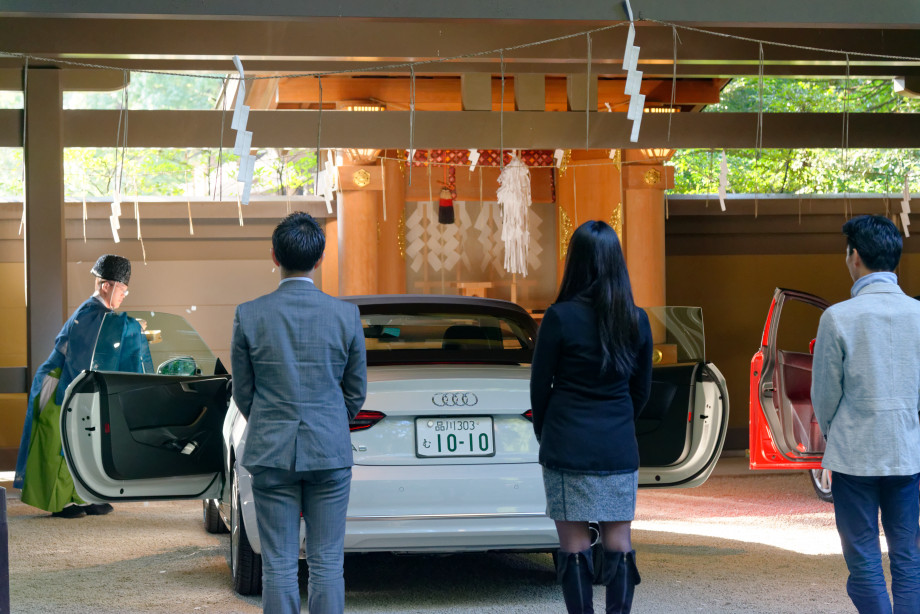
(472, 436)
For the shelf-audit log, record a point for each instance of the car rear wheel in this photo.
(821, 481)
(245, 564)
(212, 520)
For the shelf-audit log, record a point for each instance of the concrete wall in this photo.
(205, 292)
(12, 353)
(730, 263)
(201, 277)
(734, 292)
(204, 277)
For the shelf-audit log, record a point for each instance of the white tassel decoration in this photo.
(514, 196)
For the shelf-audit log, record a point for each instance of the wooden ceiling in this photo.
(369, 51)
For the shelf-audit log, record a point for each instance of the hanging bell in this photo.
(445, 207)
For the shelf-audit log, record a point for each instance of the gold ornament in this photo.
(401, 235)
(565, 233)
(361, 178)
(616, 220)
(652, 176)
(657, 355)
(617, 159)
(566, 158)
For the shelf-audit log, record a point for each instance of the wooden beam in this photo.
(262, 93)
(329, 45)
(463, 129)
(271, 208)
(446, 93)
(836, 205)
(785, 12)
(768, 224)
(653, 68)
(72, 80)
(475, 93)
(579, 93)
(529, 92)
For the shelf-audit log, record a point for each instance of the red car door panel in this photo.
(783, 431)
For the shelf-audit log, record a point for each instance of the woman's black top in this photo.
(584, 418)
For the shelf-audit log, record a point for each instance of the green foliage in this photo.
(11, 172)
(801, 171)
(192, 173)
(175, 172)
(10, 100)
(812, 96)
(152, 91)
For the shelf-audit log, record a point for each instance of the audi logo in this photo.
(454, 399)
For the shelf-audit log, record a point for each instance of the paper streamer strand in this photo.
(411, 152)
(676, 39)
(219, 188)
(501, 115)
(383, 188)
(25, 106)
(588, 97)
(319, 134)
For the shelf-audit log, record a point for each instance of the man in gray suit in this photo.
(866, 394)
(299, 377)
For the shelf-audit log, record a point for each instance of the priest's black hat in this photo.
(113, 268)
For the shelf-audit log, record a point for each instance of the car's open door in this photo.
(783, 431)
(682, 429)
(140, 436)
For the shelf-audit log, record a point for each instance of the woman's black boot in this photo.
(621, 577)
(575, 572)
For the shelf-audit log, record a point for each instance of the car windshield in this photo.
(399, 334)
(151, 342)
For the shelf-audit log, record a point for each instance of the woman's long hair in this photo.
(595, 268)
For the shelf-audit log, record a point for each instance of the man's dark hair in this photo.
(877, 240)
(298, 242)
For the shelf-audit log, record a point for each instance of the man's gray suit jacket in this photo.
(866, 383)
(299, 377)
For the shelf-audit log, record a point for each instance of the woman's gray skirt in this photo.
(589, 497)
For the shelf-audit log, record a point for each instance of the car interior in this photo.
(791, 378)
(183, 437)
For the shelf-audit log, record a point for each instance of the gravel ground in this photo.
(743, 542)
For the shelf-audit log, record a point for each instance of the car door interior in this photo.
(663, 430)
(158, 426)
(797, 315)
(792, 395)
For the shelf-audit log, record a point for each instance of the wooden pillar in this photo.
(45, 251)
(589, 189)
(391, 258)
(358, 214)
(644, 185)
(329, 269)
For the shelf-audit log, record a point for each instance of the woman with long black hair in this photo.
(591, 377)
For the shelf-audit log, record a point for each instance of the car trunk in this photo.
(421, 402)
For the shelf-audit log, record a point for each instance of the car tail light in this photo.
(528, 414)
(365, 420)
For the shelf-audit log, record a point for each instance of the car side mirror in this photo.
(811, 346)
(180, 365)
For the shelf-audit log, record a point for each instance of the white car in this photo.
(444, 450)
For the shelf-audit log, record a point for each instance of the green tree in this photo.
(175, 172)
(800, 171)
